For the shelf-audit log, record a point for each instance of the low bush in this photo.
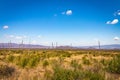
(75, 64)
(68, 74)
(45, 63)
(114, 65)
(86, 61)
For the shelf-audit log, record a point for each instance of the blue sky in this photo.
(80, 22)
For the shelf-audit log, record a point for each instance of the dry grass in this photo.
(87, 59)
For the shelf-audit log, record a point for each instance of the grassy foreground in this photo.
(35, 64)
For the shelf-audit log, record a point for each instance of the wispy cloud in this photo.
(115, 21)
(116, 38)
(117, 13)
(16, 37)
(21, 37)
(5, 27)
(11, 36)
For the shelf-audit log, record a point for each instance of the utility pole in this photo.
(22, 44)
(71, 44)
(29, 44)
(2, 45)
(9, 44)
(52, 45)
(56, 44)
(99, 44)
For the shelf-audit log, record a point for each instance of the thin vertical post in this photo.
(99, 44)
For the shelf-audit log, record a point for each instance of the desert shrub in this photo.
(45, 63)
(86, 61)
(114, 65)
(10, 58)
(69, 74)
(17, 60)
(93, 76)
(23, 62)
(75, 64)
(6, 71)
(104, 62)
(33, 62)
(65, 74)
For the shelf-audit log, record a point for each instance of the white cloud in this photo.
(119, 13)
(69, 12)
(115, 21)
(116, 38)
(108, 22)
(5, 27)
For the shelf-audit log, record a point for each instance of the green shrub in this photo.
(104, 62)
(32, 62)
(75, 64)
(45, 63)
(69, 74)
(94, 76)
(86, 62)
(62, 74)
(114, 65)
(23, 62)
(10, 58)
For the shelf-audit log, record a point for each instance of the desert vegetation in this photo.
(58, 64)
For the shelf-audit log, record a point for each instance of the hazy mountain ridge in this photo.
(15, 45)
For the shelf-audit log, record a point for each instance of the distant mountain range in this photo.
(111, 46)
(15, 45)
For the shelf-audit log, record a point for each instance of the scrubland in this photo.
(58, 64)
